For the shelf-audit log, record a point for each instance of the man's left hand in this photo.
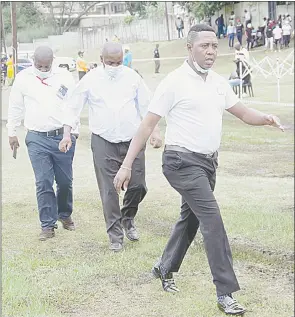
(156, 140)
(274, 122)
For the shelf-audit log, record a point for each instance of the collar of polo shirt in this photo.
(189, 70)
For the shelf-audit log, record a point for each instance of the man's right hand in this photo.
(13, 141)
(65, 144)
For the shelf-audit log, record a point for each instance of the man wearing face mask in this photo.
(193, 113)
(117, 98)
(37, 96)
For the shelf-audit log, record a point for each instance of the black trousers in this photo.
(107, 158)
(193, 176)
(81, 74)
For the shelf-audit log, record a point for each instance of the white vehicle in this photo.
(65, 62)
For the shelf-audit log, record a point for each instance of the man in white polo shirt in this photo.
(118, 98)
(193, 113)
(37, 96)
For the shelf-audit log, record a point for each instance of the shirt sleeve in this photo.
(143, 98)
(75, 102)
(16, 108)
(163, 99)
(71, 87)
(231, 98)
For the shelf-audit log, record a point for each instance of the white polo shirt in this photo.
(193, 108)
(39, 103)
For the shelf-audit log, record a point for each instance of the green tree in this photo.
(140, 7)
(26, 16)
(205, 9)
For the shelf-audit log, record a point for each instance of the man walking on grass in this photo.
(193, 112)
(37, 96)
(118, 98)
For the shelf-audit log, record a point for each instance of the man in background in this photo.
(239, 30)
(157, 61)
(179, 26)
(269, 36)
(81, 65)
(117, 98)
(37, 96)
(286, 28)
(247, 17)
(127, 61)
(277, 34)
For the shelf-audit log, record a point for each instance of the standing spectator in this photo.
(279, 21)
(239, 30)
(4, 69)
(269, 36)
(127, 61)
(247, 17)
(249, 37)
(231, 31)
(179, 26)
(220, 24)
(232, 18)
(288, 18)
(157, 56)
(263, 28)
(10, 70)
(286, 33)
(81, 65)
(277, 34)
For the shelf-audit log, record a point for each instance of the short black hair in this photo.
(197, 28)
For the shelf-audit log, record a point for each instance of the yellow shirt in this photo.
(81, 65)
(10, 68)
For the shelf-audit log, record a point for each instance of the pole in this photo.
(3, 42)
(241, 80)
(14, 35)
(278, 80)
(167, 22)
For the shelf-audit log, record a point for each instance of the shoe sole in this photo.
(45, 238)
(116, 250)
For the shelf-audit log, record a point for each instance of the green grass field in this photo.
(75, 275)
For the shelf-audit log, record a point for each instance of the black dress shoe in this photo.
(116, 247)
(230, 306)
(130, 230)
(131, 234)
(167, 280)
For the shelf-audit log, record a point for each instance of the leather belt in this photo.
(184, 150)
(50, 133)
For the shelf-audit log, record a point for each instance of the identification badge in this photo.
(62, 91)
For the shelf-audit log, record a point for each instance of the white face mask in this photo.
(198, 67)
(42, 75)
(113, 71)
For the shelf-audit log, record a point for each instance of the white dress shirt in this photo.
(116, 106)
(39, 104)
(193, 108)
